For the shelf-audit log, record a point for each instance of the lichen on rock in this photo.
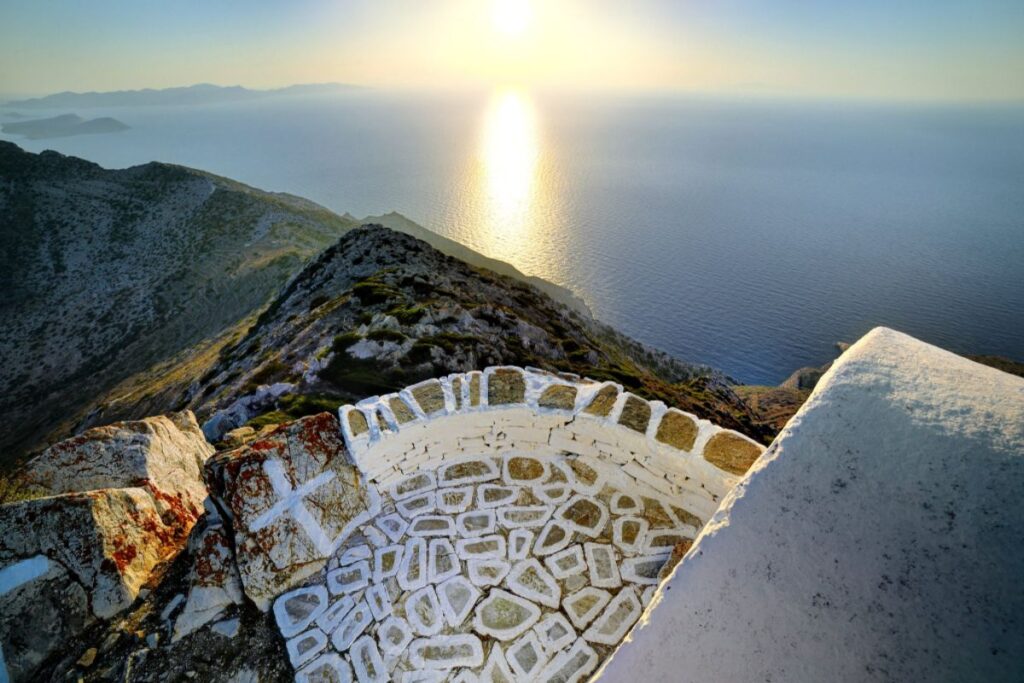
(731, 452)
(292, 497)
(505, 386)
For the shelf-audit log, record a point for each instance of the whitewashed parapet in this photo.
(507, 408)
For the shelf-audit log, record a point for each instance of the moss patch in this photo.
(407, 315)
(14, 489)
(360, 376)
(268, 373)
(371, 292)
(274, 417)
(386, 336)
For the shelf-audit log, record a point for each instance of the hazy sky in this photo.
(906, 49)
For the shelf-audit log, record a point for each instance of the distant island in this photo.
(202, 93)
(63, 126)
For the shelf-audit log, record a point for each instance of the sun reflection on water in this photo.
(511, 180)
(508, 203)
(510, 151)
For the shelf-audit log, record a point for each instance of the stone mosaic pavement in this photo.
(513, 568)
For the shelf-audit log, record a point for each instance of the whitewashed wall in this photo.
(456, 416)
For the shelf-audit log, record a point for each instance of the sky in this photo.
(875, 49)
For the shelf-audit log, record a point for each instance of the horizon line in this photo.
(8, 99)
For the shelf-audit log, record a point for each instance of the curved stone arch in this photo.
(505, 408)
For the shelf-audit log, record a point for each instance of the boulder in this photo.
(71, 559)
(123, 499)
(214, 584)
(292, 497)
(163, 454)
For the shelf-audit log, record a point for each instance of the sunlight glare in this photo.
(512, 17)
(510, 157)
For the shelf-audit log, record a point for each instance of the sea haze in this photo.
(746, 235)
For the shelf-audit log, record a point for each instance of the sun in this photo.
(512, 17)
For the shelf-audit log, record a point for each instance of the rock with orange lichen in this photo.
(71, 559)
(292, 498)
(163, 454)
(214, 584)
(123, 501)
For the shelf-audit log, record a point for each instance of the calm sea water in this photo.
(748, 236)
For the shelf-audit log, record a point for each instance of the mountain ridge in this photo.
(124, 288)
(105, 271)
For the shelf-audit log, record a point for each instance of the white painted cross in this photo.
(291, 501)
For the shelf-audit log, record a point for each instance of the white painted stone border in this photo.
(387, 455)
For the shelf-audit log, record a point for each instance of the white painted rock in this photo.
(293, 498)
(881, 537)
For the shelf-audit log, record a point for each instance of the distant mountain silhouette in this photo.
(202, 93)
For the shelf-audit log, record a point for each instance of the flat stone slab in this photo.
(584, 605)
(504, 616)
(616, 619)
(297, 609)
(526, 657)
(423, 612)
(457, 597)
(532, 581)
(447, 652)
(330, 668)
(572, 665)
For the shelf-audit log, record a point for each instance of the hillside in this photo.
(105, 272)
(379, 310)
(131, 292)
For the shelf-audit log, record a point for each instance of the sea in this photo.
(750, 235)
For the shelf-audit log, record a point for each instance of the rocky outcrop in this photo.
(292, 498)
(163, 454)
(241, 410)
(805, 378)
(123, 501)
